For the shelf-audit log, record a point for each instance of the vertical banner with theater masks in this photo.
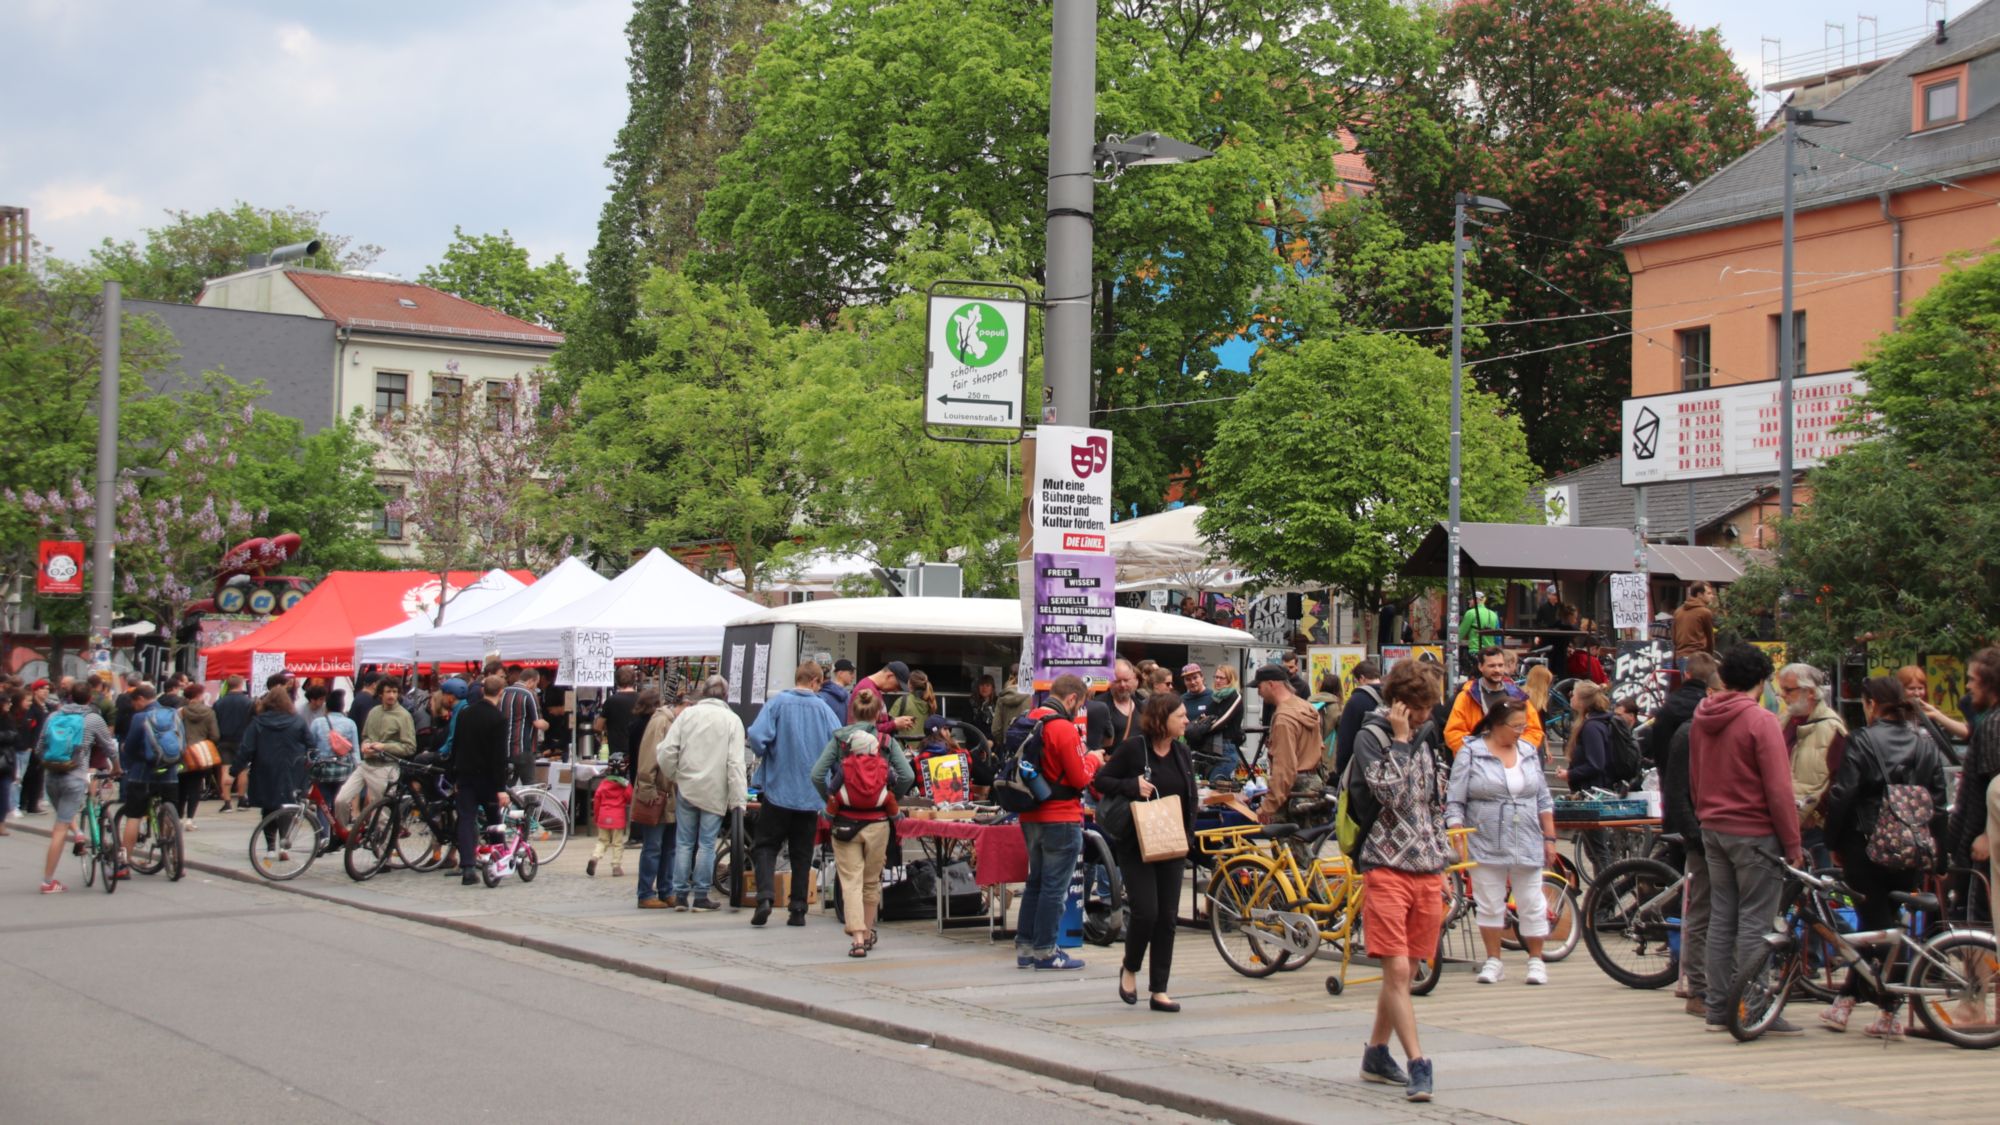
(1070, 600)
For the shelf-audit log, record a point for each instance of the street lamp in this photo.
(1460, 204)
(1788, 347)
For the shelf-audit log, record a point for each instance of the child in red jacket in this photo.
(611, 809)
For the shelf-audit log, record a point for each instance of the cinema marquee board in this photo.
(1733, 431)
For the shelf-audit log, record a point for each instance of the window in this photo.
(499, 404)
(1798, 344)
(392, 393)
(798, 597)
(388, 526)
(446, 390)
(1694, 351)
(1940, 103)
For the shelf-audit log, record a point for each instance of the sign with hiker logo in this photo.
(976, 361)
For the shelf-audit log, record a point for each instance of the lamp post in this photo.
(1788, 346)
(101, 561)
(1459, 205)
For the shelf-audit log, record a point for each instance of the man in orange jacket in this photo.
(1480, 695)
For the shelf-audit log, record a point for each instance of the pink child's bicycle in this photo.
(504, 850)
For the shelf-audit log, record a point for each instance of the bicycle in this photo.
(548, 819)
(158, 845)
(98, 849)
(504, 850)
(1953, 977)
(407, 823)
(304, 826)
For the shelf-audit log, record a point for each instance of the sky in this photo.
(401, 120)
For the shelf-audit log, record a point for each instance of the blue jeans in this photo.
(694, 849)
(20, 773)
(1226, 768)
(655, 880)
(1052, 853)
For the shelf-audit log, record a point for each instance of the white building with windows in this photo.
(394, 343)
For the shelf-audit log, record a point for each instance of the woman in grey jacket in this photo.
(1498, 790)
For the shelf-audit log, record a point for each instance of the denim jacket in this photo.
(1506, 829)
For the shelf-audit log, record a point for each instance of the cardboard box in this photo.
(782, 881)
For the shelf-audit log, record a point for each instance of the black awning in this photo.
(1521, 550)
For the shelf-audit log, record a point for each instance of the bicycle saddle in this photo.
(1278, 831)
(1923, 904)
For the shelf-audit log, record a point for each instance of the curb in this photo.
(1073, 1074)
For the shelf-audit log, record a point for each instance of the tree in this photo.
(493, 270)
(685, 110)
(1332, 468)
(1579, 114)
(687, 442)
(191, 248)
(1896, 548)
(810, 211)
(478, 481)
(321, 487)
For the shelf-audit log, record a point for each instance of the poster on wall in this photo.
(1642, 672)
(1075, 602)
(1070, 601)
(1946, 683)
(1345, 658)
(1320, 660)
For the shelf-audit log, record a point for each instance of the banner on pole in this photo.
(59, 568)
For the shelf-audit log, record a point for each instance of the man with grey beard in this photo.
(1818, 740)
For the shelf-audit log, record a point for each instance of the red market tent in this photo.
(316, 636)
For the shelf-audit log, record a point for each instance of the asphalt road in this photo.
(209, 1001)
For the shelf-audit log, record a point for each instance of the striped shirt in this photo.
(520, 708)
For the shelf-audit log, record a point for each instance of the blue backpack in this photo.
(164, 740)
(63, 739)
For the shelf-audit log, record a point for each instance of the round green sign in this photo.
(977, 334)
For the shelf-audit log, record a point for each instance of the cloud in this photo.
(64, 201)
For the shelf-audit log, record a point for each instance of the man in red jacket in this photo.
(1053, 829)
(1740, 776)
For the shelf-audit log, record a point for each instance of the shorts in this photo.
(65, 792)
(225, 752)
(136, 794)
(1401, 914)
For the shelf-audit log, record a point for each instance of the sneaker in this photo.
(53, 887)
(617, 871)
(1419, 1088)
(1492, 972)
(1784, 1028)
(123, 873)
(795, 918)
(652, 904)
(590, 868)
(705, 904)
(1023, 960)
(1538, 973)
(680, 905)
(1835, 1018)
(1714, 1024)
(190, 825)
(1378, 1065)
(1886, 1028)
(1061, 962)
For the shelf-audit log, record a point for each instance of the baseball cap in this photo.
(455, 687)
(1190, 669)
(843, 665)
(902, 672)
(1270, 674)
(935, 722)
(38, 685)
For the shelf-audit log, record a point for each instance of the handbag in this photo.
(1114, 816)
(199, 756)
(649, 811)
(1160, 828)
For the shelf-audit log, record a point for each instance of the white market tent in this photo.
(977, 617)
(1167, 551)
(819, 572)
(398, 643)
(657, 608)
(471, 636)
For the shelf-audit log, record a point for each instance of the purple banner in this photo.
(1074, 628)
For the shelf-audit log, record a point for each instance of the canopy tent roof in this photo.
(1511, 550)
(398, 643)
(1167, 550)
(471, 636)
(657, 608)
(814, 571)
(978, 617)
(317, 635)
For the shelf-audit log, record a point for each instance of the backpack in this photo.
(1901, 839)
(1018, 784)
(164, 740)
(64, 737)
(864, 782)
(1622, 764)
(1346, 829)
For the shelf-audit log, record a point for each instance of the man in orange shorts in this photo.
(1397, 797)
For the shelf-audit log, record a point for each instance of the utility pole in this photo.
(1457, 377)
(1788, 355)
(101, 579)
(1072, 200)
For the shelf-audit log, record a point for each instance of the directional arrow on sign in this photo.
(948, 400)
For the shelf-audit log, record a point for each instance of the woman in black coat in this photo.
(274, 748)
(1153, 763)
(1893, 749)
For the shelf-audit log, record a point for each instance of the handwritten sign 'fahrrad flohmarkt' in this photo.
(977, 360)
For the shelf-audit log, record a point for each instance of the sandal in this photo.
(873, 937)
(858, 949)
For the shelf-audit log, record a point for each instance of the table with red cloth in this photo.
(999, 851)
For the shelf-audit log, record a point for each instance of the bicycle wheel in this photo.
(86, 854)
(1232, 891)
(107, 864)
(1958, 983)
(173, 846)
(1625, 922)
(1559, 902)
(145, 856)
(419, 843)
(547, 818)
(1104, 915)
(488, 873)
(1458, 940)
(527, 864)
(1757, 996)
(371, 841)
(283, 844)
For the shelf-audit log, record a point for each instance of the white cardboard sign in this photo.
(1629, 609)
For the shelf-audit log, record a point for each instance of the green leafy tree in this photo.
(874, 123)
(1579, 114)
(494, 270)
(322, 487)
(1332, 468)
(176, 258)
(1896, 548)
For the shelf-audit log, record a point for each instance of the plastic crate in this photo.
(1590, 811)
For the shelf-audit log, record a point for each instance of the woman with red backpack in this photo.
(860, 774)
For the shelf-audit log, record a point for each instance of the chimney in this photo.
(1941, 36)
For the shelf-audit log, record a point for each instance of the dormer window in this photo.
(1938, 99)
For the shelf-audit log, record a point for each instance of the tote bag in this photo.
(1161, 829)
